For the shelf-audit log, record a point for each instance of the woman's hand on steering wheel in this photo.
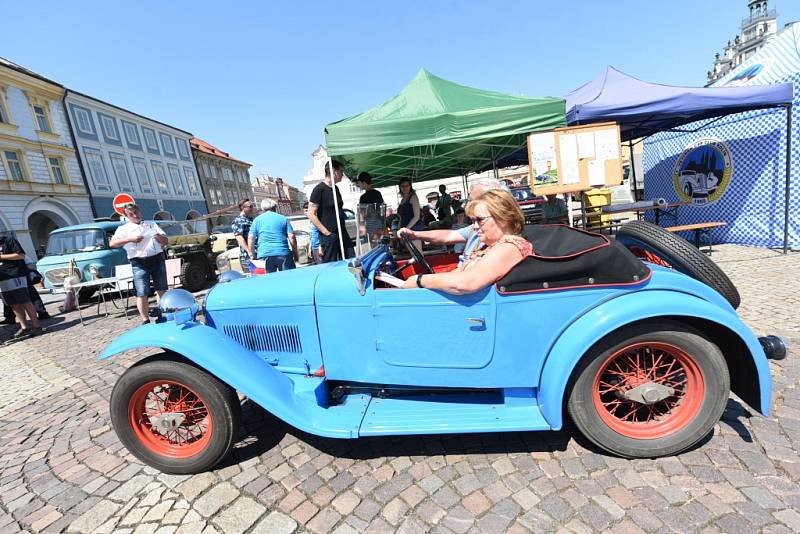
(416, 254)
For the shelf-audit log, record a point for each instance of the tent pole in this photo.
(633, 170)
(336, 208)
(788, 175)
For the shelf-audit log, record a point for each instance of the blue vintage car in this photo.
(640, 356)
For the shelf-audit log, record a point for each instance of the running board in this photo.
(499, 411)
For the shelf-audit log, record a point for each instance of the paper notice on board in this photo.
(606, 144)
(570, 173)
(543, 158)
(597, 172)
(585, 145)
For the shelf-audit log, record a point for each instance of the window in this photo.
(97, 169)
(183, 149)
(131, 135)
(14, 162)
(5, 118)
(166, 144)
(120, 167)
(84, 125)
(150, 140)
(57, 170)
(227, 175)
(177, 183)
(110, 132)
(207, 170)
(161, 177)
(142, 176)
(188, 172)
(41, 119)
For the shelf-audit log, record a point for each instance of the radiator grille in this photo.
(266, 338)
(56, 276)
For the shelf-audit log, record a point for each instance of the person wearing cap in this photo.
(142, 241)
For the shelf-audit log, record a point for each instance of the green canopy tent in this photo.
(435, 129)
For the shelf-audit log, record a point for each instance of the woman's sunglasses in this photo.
(479, 220)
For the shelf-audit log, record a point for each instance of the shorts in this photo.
(146, 269)
(15, 291)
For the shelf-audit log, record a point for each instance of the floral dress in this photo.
(523, 245)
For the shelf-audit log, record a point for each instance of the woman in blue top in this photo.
(270, 236)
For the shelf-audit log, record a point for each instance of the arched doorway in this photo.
(163, 216)
(193, 214)
(44, 215)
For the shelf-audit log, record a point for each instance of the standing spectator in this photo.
(444, 205)
(142, 242)
(409, 210)
(315, 247)
(273, 232)
(14, 286)
(36, 299)
(241, 230)
(554, 210)
(371, 195)
(322, 213)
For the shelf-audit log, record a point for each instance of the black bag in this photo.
(34, 277)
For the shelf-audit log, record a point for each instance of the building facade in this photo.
(756, 29)
(273, 187)
(41, 185)
(122, 152)
(224, 179)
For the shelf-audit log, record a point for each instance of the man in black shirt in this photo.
(322, 213)
(371, 195)
(14, 286)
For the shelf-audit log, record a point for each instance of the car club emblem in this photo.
(703, 171)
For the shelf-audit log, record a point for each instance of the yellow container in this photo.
(593, 201)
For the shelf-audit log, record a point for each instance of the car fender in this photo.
(235, 365)
(579, 336)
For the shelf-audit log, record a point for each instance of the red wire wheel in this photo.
(159, 397)
(174, 416)
(650, 257)
(648, 364)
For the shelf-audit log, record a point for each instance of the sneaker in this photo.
(21, 333)
(43, 315)
(146, 321)
(35, 331)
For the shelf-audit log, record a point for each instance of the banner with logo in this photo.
(733, 169)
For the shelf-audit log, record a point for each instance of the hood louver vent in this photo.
(266, 338)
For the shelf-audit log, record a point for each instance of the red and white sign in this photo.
(120, 201)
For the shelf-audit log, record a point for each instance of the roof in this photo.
(19, 68)
(207, 148)
(102, 225)
(643, 108)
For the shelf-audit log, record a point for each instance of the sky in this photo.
(260, 80)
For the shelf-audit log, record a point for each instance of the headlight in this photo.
(229, 276)
(223, 264)
(95, 271)
(178, 305)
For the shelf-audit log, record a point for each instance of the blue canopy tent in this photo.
(643, 109)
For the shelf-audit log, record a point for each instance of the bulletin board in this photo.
(573, 159)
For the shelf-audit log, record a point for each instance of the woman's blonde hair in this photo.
(503, 209)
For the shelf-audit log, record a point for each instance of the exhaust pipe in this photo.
(776, 348)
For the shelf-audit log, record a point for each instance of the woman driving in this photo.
(499, 222)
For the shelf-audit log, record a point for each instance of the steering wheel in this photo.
(416, 255)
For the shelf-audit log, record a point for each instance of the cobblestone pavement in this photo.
(63, 469)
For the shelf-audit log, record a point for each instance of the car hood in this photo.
(62, 261)
(286, 288)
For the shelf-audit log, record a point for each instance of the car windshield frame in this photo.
(85, 234)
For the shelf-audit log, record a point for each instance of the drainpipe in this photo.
(78, 155)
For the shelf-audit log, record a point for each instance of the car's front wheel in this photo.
(174, 417)
(649, 390)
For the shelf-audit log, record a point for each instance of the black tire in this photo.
(694, 411)
(218, 400)
(678, 254)
(687, 188)
(194, 273)
(86, 293)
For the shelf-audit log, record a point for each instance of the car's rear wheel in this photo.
(174, 417)
(194, 273)
(649, 390)
(654, 244)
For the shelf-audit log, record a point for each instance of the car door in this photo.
(419, 331)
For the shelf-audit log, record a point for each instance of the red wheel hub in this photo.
(672, 383)
(650, 257)
(170, 419)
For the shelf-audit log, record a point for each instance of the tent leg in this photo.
(633, 171)
(788, 175)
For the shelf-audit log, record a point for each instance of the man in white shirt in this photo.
(143, 241)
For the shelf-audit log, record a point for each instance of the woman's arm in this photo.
(415, 206)
(493, 266)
